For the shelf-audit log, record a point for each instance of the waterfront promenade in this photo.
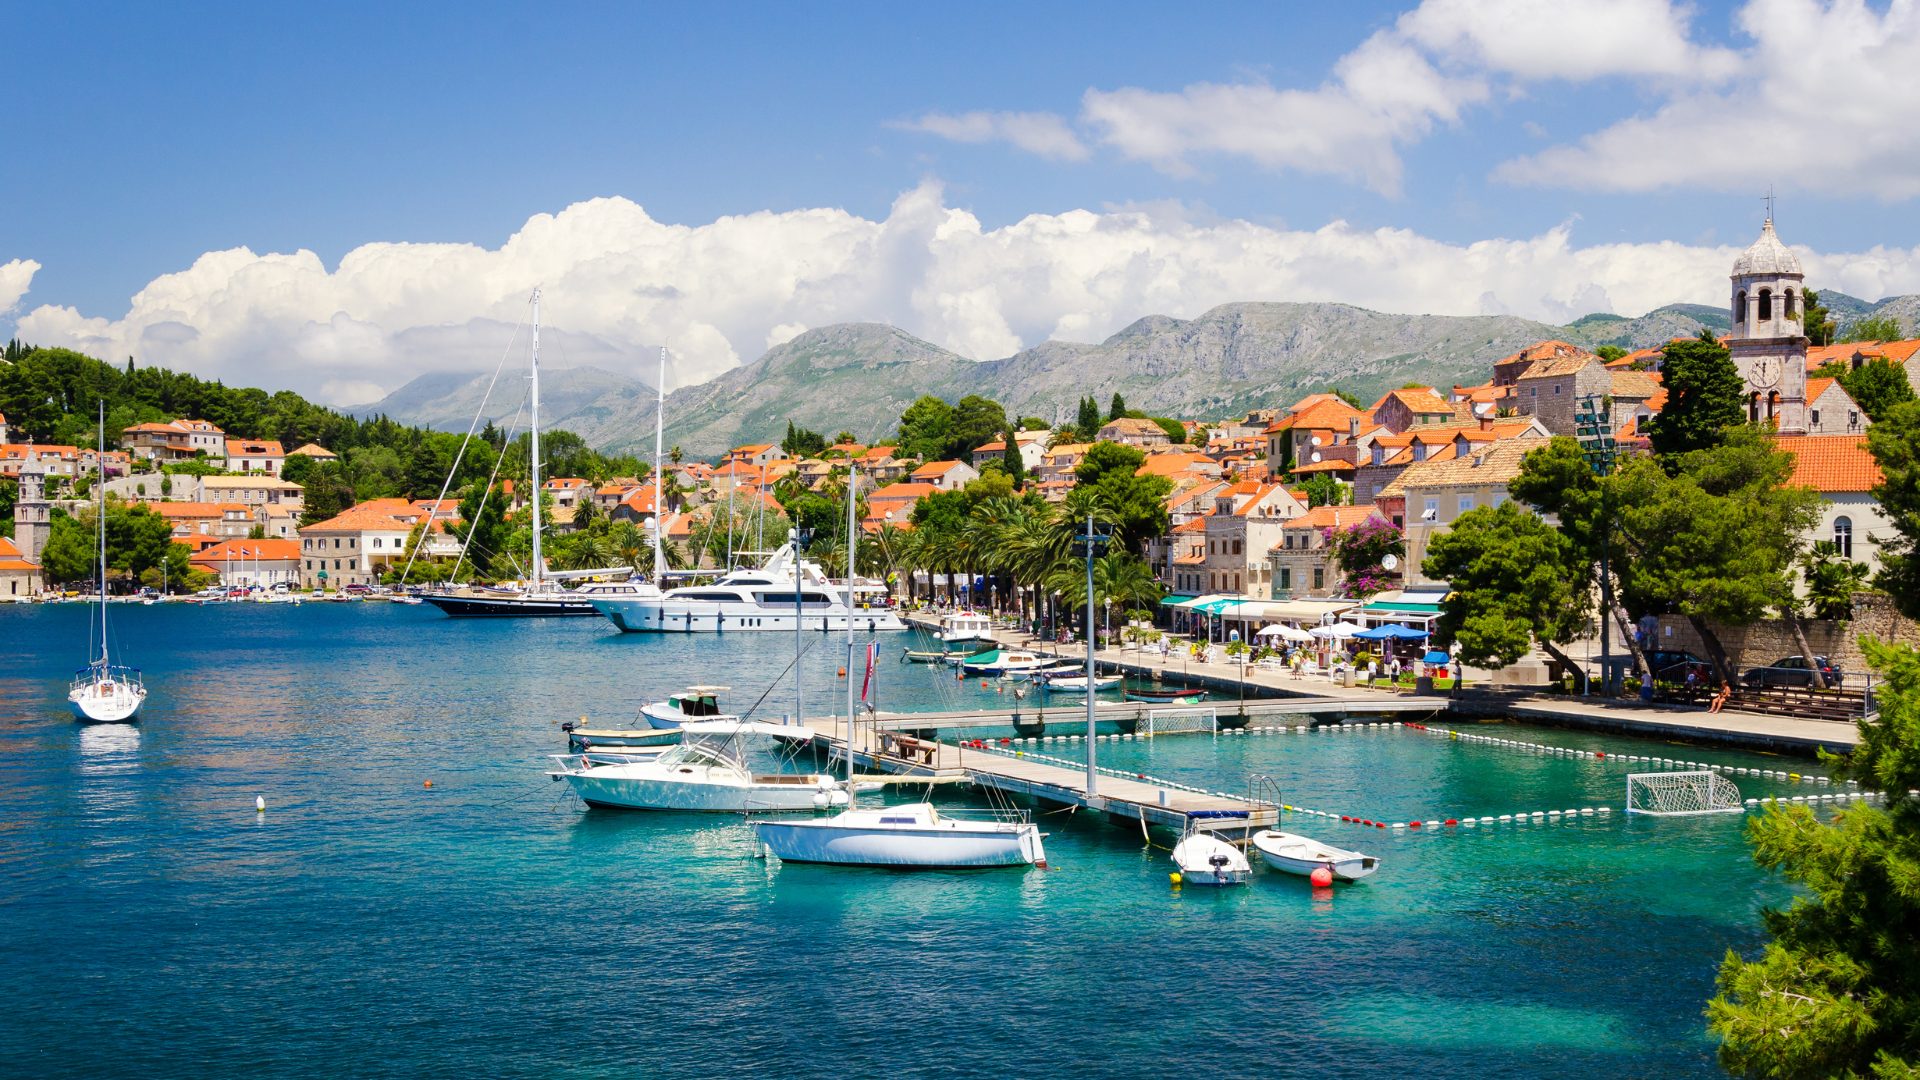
(1692, 724)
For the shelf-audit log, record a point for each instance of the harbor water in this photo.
(419, 900)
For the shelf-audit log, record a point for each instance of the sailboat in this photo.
(543, 593)
(914, 836)
(101, 691)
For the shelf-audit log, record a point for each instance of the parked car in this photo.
(357, 588)
(1793, 671)
(1673, 666)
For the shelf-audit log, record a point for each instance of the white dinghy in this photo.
(1205, 859)
(1295, 854)
(914, 836)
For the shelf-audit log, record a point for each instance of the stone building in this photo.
(1767, 342)
(1551, 389)
(32, 514)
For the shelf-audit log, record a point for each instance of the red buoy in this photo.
(1413, 824)
(1379, 825)
(1321, 876)
(1453, 821)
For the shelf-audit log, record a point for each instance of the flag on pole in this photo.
(873, 651)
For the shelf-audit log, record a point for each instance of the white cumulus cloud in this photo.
(1042, 133)
(15, 278)
(1822, 101)
(616, 284)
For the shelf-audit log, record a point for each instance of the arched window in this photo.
(1786, 298)
(1773, 404)
(1740, 307)
(1843, 536)
(1753, 406)
(1766, 304)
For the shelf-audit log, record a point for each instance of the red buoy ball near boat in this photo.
(1321, 877)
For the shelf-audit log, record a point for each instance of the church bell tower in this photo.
(32, 514)
(1768, 342)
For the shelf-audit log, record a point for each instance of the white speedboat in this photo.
(1061, 683)
(754, 601)
(1205, 859)
(706, 772)
(912, 836)
(966, 626)
(693, 703)
(1303, 855)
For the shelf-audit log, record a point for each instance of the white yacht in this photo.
(750, 601)
(964, 626)
(706, 772)
(693, 703)
(914, 836)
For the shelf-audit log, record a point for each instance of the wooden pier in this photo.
(1126, 800)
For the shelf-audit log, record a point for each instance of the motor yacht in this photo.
(754, 601)
(693, 703)
(962, 626)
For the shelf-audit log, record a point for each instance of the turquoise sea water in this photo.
(152, 924)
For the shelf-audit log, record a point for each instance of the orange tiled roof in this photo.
(1332, 517)
(1419, 400)
(249, 549)
(936, 468)
(1332, 414)
(1831, 462)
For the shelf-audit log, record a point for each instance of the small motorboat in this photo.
(581, 738)
(1205, 859)
(911, 837)
(1302, 855)
(1001, 661)
(707, 771)
(1156, 697)
(693, 703)
(914, 656)
(1062, 683)
(966, 626)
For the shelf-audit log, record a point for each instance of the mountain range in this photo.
(859, 377)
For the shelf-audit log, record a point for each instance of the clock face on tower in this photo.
(1766, 371)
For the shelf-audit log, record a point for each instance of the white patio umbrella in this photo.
(1281, 630)
(1337, 631)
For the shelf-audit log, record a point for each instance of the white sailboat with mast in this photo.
(101, 691)
(543, 595)
(911, 836)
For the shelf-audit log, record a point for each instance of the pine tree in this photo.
(1703, 397)
(1819, 329)
(1837, 991)
(1118, 409)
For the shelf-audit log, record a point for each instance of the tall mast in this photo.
(851, 542)
(533, 460)
(659, 474)
(100, 526)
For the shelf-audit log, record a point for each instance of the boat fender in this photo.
(1321, 877)
(820, 800)
(1174, 877)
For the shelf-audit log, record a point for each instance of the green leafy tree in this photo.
(327, 492)
(1323, 490)
(1609, 353)
(1875, 328)
(1014, 465)
(1345, 396)
(1814, 321)
(925, 428)
(1878, 386)
(843, 437)
(1176, 431)
(137, 540)
(802, 443)
(1088, 423)
(1895, 445)
(482, 527)
(1515, 580)
(1108, 476)
(976, 421)
(1117, 410)
(1033, 423)
(1836, 993)
(1703, 398)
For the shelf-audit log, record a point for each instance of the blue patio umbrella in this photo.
(1436, 657)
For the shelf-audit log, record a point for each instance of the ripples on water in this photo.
(153, 924)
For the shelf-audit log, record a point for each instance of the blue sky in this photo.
(144, 137)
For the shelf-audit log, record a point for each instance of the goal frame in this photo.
(1212, 713)
(1717, 785)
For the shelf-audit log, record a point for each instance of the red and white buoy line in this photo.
(1010, 748)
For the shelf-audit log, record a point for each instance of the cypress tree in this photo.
(1089, 422)
(1117, 410)
(1016, 466)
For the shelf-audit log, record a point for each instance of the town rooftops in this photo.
(1495, 464)
(1635, 384)
(317, 452)
(936, 468)
(1329, 414)
(1831, 463)
(1332, 517)
(395, 514)
(1130, 425)
(253, 448)
(238, 549)
(1419, 399)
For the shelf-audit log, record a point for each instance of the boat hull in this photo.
(610, 788)
(105, 708)
(937, 848)
(1207, 860)
(509, 607)
(1302, 855)
(670, 617)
